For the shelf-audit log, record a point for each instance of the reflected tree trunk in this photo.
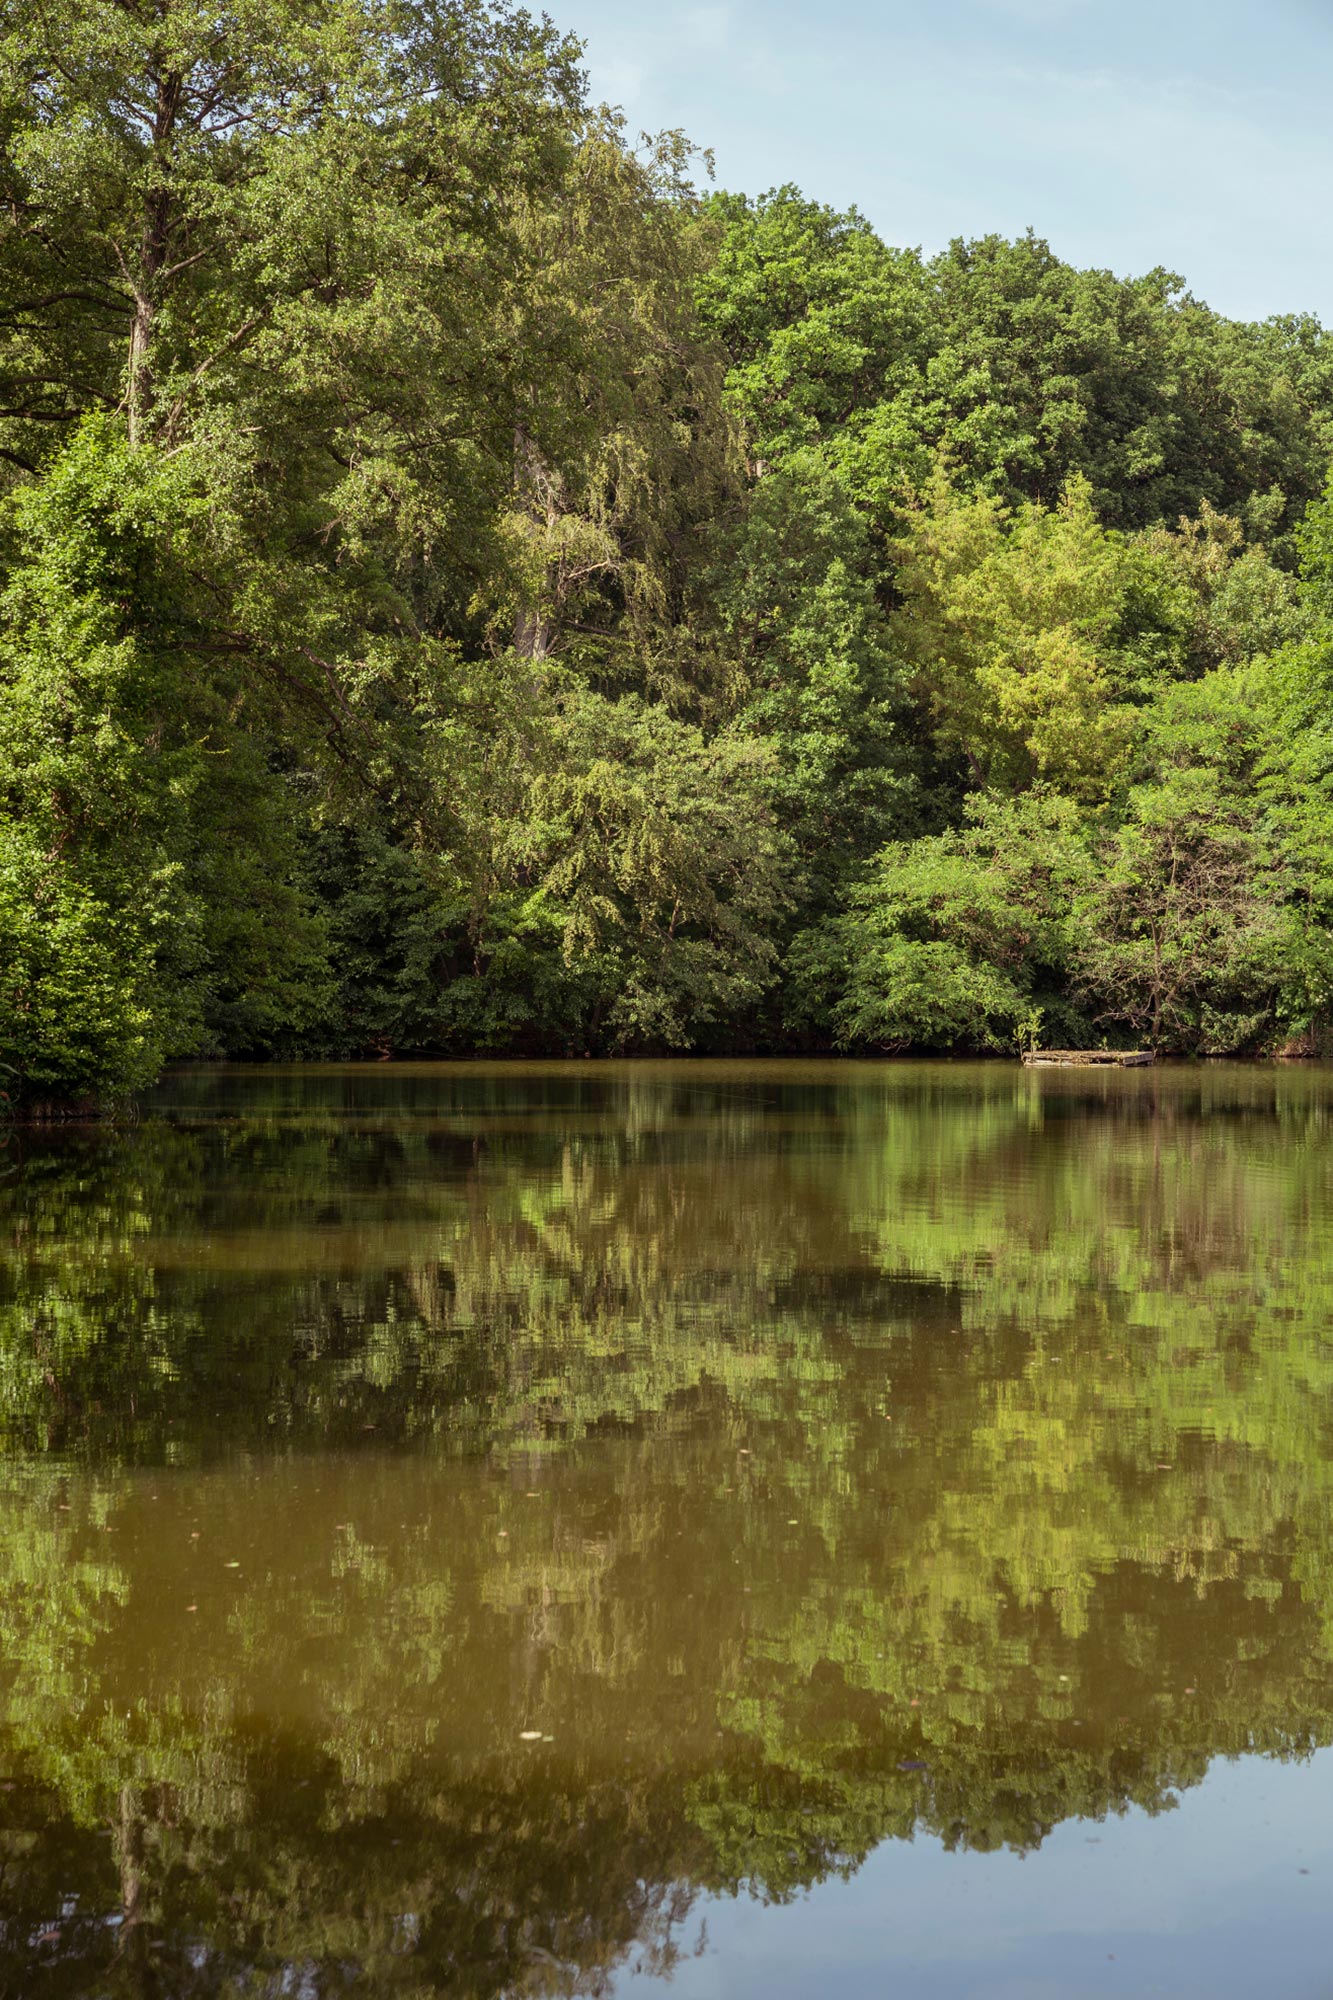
(129, 1838)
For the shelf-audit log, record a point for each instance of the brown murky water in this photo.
(533, 1529)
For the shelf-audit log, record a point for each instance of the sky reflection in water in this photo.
(469, 1528)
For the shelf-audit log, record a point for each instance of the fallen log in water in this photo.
(1078, 1058)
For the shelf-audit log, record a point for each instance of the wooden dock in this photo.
(1088, 1058)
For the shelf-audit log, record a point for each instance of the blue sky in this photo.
(1192, 133)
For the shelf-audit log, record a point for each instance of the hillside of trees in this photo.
(467, 586)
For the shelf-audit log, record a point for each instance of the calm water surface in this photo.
(857, 1529)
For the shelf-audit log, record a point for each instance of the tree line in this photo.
(466, 586)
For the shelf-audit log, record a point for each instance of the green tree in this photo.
(960, 937)
(621, 446)
(800, 626)
(1023, 370)
(1198, 929)
(132, 921)
(821, 321)
(100, 942)
(1034, 639)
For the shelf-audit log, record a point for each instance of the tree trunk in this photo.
(139, 385)
(535, 487)
(154, 247)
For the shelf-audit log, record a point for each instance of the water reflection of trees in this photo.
(815, 1473)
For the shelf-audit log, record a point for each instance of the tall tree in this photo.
(285, 239)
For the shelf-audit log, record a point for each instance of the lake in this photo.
(780, 1527)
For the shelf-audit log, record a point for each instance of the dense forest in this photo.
(469, 586)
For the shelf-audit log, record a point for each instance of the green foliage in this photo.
(1190, 915)
(147, 856)
(1186, 933)
(626, 876)
(656, 848)
(821, 1456)
(816, 315)
(75, 988)
(612, 478)
(1034, 638)
(98, 933)
(1023, 371)
(461, 591)
(963, 937)
(822, 682)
